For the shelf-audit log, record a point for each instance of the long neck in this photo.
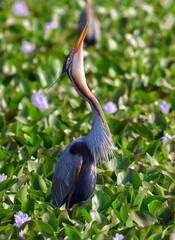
(99, 139)
(89, 2)
(88, 8)
(85, 93)
(77, 77)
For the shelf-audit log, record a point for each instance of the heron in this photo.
(75, 175)
(94, 33)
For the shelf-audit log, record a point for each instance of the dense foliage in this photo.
(134, 67)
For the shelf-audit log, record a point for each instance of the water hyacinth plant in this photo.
(21, 218)
(21, 233)
(20, 8)
(134, 67)
(165, 107)
(118, 237)
(3, 177)
(27, 47)
(110, 107)
(50, 25)
(167, 137)
(39, 100)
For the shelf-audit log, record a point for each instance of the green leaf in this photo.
(35, 166)
(126, 152)
(130, 177)
(43, 227)
(152, 206)
(47, 139)
(6, 211)
(139, 198)
(143, 130)
(124, 212)
(51, 219)
(143, 218)
(102, 198)
(36, 140)
(6, 184)
(38, 182)
(86, 216)
(4, 155)
(72, 232)
(28, 206)
(167, 214)
(3, 228)
(21, 194)
(33, 111)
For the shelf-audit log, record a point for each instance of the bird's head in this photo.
(74, 61)
(73, 65)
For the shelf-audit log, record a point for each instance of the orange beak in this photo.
(81, 38)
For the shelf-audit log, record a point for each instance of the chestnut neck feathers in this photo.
(99, 139)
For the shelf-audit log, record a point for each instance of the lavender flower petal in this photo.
(22, 232)
(50, 25)
(118, 237)
(165, 107)
(39, 100)
(21, 218)
(110, 107)
(3, 177)
(164, 139)
(20, 8)
(27, 47)
(167, 137)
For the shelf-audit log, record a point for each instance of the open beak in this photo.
(81, 38)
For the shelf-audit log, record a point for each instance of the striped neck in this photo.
(77, 77)
(90, 98)
(99, 139)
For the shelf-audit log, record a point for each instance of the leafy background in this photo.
(133, 66)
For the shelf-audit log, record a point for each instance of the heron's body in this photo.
(94, 33)
(74, 178)
(80, 181)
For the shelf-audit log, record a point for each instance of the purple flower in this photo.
(27, 47)
(165, 107)
(20, 8)
(118, 237)
(167, 137)
(22, 232)
(39, 100)
(50, 25)
(3, 177)
(110, 107)
(21, 218)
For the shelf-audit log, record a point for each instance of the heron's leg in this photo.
(73, 189)
(69, 197)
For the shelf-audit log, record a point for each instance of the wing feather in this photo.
(64, 177)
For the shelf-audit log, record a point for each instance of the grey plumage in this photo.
(75, 174)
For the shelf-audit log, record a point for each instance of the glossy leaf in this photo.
(143, 218)
(133, 66)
